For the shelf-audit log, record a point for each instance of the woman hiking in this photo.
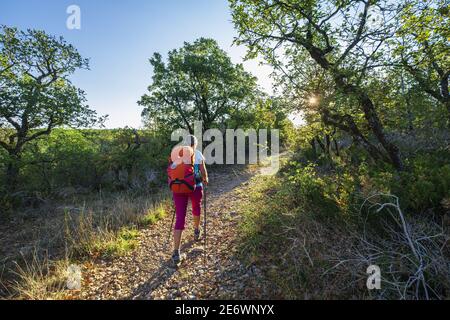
(189, 187)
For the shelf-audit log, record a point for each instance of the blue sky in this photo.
(119, 37)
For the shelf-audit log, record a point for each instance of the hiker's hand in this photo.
(206, 182)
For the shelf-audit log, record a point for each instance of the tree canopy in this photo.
(353, 44)
(423, 46)
(198, 82)
(36, 93)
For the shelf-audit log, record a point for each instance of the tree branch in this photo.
(358, 36)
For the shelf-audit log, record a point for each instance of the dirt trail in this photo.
(146, 273)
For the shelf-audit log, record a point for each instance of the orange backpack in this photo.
(180, 171)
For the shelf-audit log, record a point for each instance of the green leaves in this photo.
(422, 46)
(38, 67)
(198, 82)
(35, 90)
(35, 93)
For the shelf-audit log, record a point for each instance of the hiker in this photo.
(184, 189)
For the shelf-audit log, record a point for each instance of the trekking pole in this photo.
(204, 223)
(171, 227)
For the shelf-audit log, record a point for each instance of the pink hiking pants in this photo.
(181, 202)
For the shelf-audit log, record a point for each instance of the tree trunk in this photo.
(408, 105)
(447, 105)
(328, 143)
(347, 124)
(313, 146)
(370, 114)
(336, 147)
(12, 172)
(322, 146)
(445, 94)
(372, 119)
(377, 129)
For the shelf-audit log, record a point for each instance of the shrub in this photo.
(422, 187)
(308, 228)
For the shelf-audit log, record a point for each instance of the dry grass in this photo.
(308, 257)
(411, 252)
(40, 279)
(42, 243)
(94, 232)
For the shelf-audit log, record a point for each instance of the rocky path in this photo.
(146, 273)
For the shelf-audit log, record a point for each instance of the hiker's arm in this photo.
(204, 172)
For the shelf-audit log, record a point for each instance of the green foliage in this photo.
(265, 113)
(423, 188)
(36, 94)
(422, 48)
(71, 161)
(306, 184)
(335, 62)
(154, 215)
(123, 243)
(34, 83)
(340, 184)
(299, 227)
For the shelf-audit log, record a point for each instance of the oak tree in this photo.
(36, 94)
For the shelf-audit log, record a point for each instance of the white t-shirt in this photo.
(198, 158)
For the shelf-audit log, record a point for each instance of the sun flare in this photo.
(313, 100)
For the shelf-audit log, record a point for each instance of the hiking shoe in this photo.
(197, 235)
(176, 257)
